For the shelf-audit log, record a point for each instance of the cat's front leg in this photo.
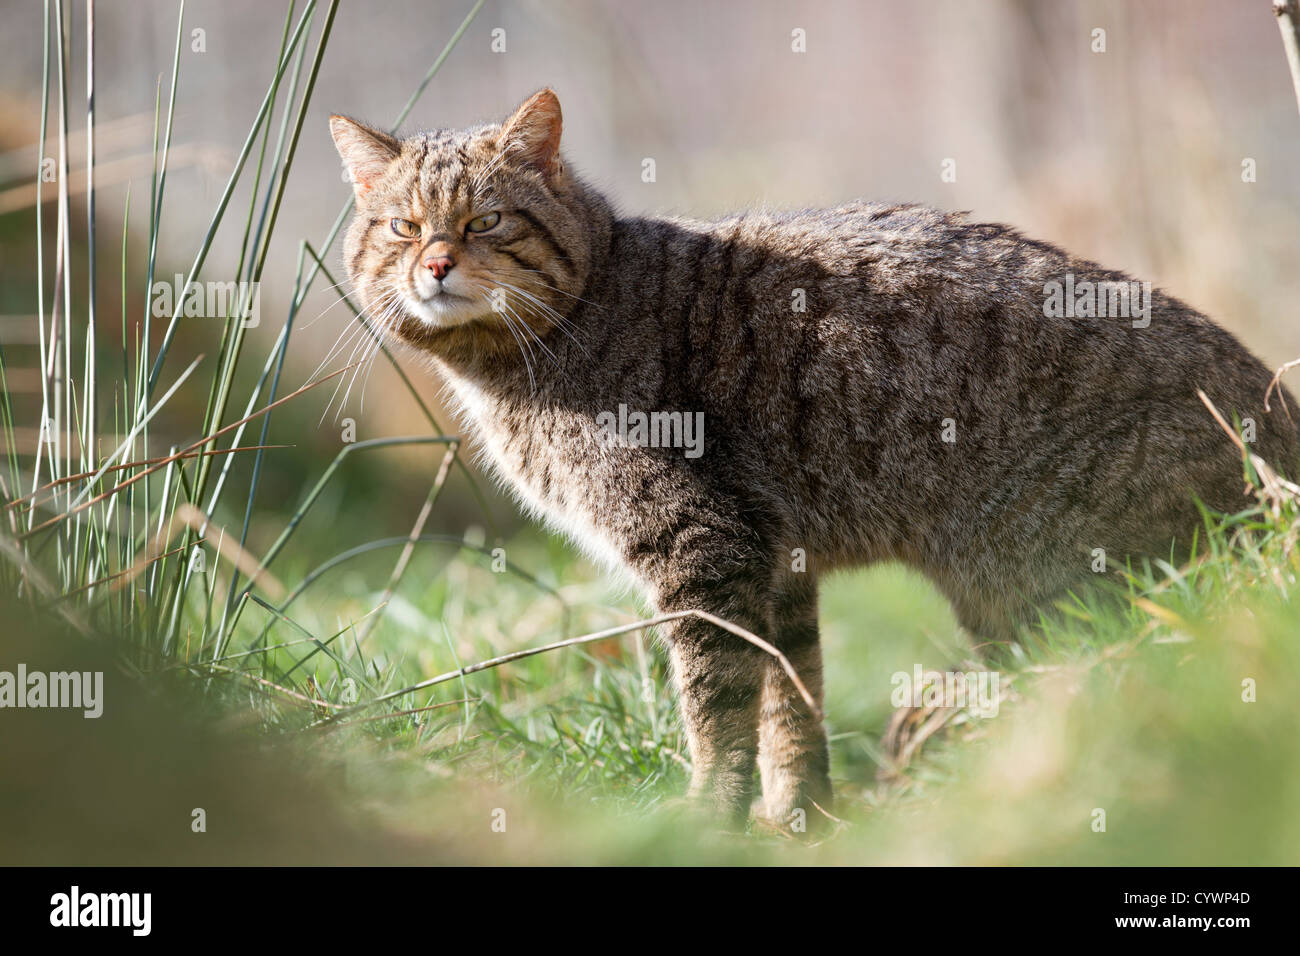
(719, 675)
(698, 555)
(719, 681)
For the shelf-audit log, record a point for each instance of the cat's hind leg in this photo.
(793, 755)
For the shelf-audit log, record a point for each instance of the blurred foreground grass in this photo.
(1135, 709)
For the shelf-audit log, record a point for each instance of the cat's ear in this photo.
(533, 132)
(366, 152)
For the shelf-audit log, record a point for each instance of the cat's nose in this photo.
(438, 259)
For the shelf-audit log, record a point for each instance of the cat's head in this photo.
(480, 229)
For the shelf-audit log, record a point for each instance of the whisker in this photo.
(390, 302)
(381, 322)
(532, 333)
(526, 328)
(560, 319)
(349, 328)
(353, 329)
(524, 353)
(380, 335)
(333, 305)
(547, 285)
(540, 309)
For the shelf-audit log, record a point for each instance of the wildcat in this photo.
(876, 382)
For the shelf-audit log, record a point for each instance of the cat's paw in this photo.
(790, 821)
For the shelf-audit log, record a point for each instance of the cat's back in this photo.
(881, 345)
(897, 312)
(953, 300)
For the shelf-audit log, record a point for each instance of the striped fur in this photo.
(824, 427)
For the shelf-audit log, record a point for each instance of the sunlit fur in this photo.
(878, 382)
(511, 285)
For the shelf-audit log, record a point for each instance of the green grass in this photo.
(1134, 708)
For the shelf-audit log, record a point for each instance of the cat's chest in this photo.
(525, 442)
(550, 456)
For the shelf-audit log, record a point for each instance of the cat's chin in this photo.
(445, 311)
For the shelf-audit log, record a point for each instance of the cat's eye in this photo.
(484, 223)
(405, 228)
